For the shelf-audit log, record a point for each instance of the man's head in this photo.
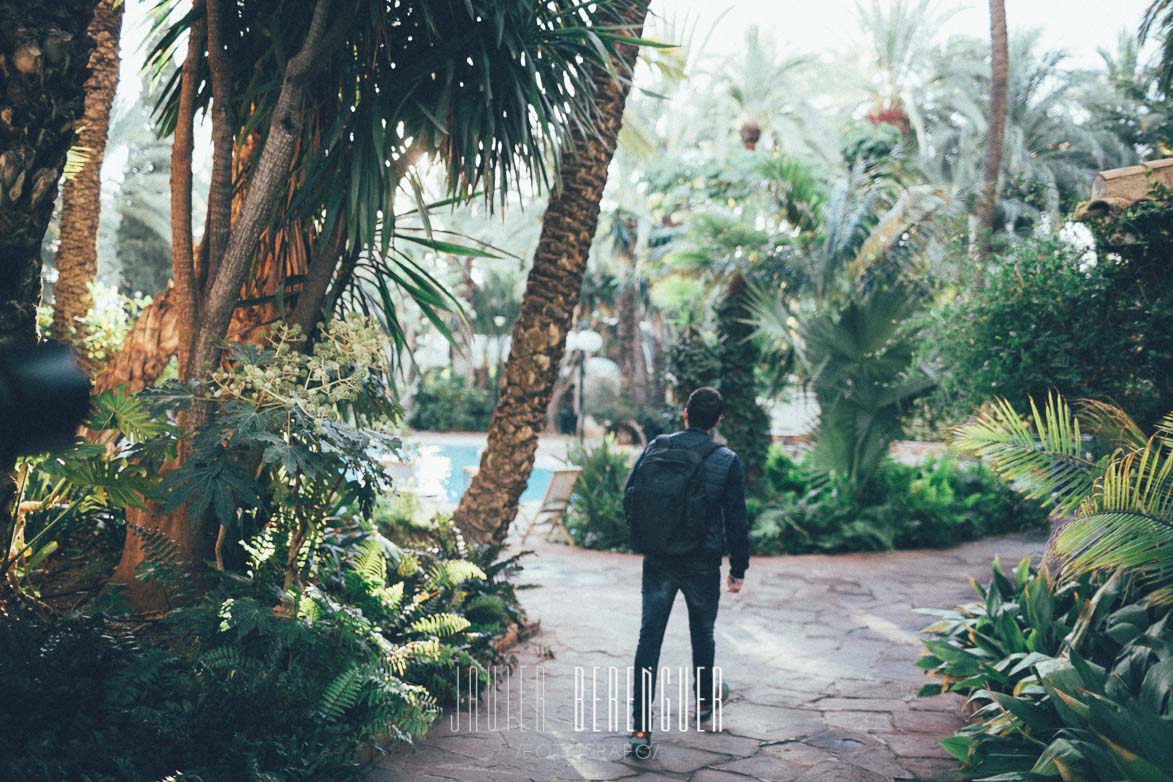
(704, 408)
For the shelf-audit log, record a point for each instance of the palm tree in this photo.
(539, 334)
(77, 255)
(1122, 502)
(1158, 21)
(317, 156)
(1050, 147)
(844, 316)
(762, 88)
(1126, 101)
(44, 48)
(995, 131)
(900, 34)
(632, 362)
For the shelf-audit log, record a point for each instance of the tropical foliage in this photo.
(941, 502)
(1123, 514)
(1066, 680)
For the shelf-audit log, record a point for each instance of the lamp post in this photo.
(582, 343)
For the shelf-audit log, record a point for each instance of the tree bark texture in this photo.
(996, 132)
(148, 347)
(185, 293)
(217, 302)
(44, 51)
(633, 363)
(81, 198)
(539, 334)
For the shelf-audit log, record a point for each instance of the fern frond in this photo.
(342, 694)
(371, 563)
(440, 625)
(449, 573)
(390, 596)
(1042, 457)
(222, 658)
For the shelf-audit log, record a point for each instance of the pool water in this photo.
(439, 472)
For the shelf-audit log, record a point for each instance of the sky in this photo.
(825, 26)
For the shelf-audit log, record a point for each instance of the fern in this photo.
(391, 596)
(449, 573)
(371, 564)
(341, 695)
(222, 658)
(440, 625)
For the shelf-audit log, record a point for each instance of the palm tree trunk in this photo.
(77, 256)
(539, 333)
(996, 133)
(44, 50)
(632, 362)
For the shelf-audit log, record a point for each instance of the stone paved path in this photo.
(818, 651)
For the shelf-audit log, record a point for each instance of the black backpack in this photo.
(664, 502)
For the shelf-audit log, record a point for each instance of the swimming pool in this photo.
(438, 470)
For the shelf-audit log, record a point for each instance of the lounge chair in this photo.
(554, 504)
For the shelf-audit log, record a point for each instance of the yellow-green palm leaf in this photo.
(1128, 521)
(1043, 456)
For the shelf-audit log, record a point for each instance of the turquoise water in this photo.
(439, 471)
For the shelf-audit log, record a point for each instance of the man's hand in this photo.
(735, 584)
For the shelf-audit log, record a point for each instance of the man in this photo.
(716, 487)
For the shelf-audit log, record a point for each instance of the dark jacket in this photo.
(724, 482)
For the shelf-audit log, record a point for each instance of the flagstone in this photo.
(818, 651)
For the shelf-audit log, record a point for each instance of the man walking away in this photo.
(685, 505)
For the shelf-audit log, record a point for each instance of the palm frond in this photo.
(1128, 521)
(1110, 424)
(1043, 456)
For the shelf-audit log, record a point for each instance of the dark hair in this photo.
(704, 407)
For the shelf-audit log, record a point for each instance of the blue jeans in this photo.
(700, 581)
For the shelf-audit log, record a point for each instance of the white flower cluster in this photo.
(349, 354)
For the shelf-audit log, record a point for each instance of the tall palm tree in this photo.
(538, 342)
(1051, 145)
(81, 202)
(632, 362)
(900, 35)
(762, 88)
(1126, 100)
(44, 48)
(995, 130)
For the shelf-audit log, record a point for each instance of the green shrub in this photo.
(594, 517)
(1048, 320)
(935, 504)
(1067, 680)
(445, 402)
